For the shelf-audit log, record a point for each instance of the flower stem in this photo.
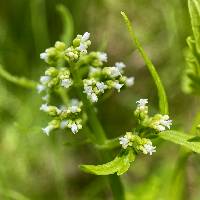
(97, 130)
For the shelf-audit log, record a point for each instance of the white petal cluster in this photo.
(97, 79)
(84, 42)
(54, 78)
(102, 56)
(162, 123)
(52, 55)
(142, 103)
(102, 78)
(64, 117)
(138, 143)
(48, 129)
(79, 47)
(157, 122)
(124, 141)
(148, 148)
(120, 66)
(130, 81)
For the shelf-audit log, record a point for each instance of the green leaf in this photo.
(163, 104)
(119, 165)
(182, 139)
(194, 9)
(68, 24)
(21, 81)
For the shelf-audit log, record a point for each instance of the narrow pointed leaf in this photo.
(163, 104)
(194, 9)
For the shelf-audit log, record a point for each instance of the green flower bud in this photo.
(60, 46)
(76, 42)
(52, 71)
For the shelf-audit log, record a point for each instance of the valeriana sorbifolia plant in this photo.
(73, 67)
(80, 78)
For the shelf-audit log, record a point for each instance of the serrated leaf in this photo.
(194, 9)
(181, 139)
(163, 103)
(119, 165)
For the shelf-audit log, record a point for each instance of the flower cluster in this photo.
(146, 126)
(54, 78)
(64, 117)
(55, 55)
(139, 144)
(157, 122)
(102, 78)
(93, 77)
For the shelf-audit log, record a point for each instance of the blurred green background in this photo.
(36, 167)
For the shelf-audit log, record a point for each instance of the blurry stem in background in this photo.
(177, 188)
(163, 103)
(11, 194)
(67, 24)
(39, 24)
(100, 136)
(21, 81)
(179, 180)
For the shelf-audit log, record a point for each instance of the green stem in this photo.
(21, 81)
(97, 130)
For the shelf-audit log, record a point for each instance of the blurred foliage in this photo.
(33, 166)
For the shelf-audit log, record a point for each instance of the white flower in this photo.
(142, 102)
(74, 102)
(165, 121)
(74, 128)
(85, 37)
(70, 54)
(130, 81)
(58, 111)
(45, 98)
(40, 88)
(93, 97)
(44, 79)
(63, 108)
(114, 72)
(101, 86)
(102, 56)
(120, 65)
(148, 148)
(47, 129)
(94, 70)
(66, 83)
(63, 124)
(43, 56)
(118, 86)
(88, 90)
(74, 109)
(124, 141)
(159, 127)
(82, 47)
(44, 107)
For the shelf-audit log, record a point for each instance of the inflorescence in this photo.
(146, 126)
(95, 81)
